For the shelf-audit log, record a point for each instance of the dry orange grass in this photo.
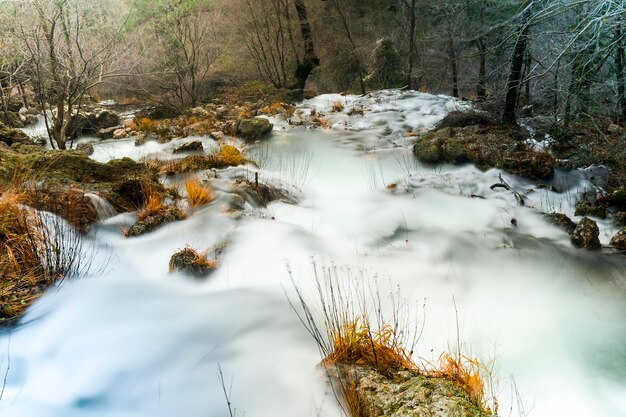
(470, 375)
(197, 194)
(228, 155)
(320, 121)
(153, 204)
(338, 106)
(355, 343)
(199, 259)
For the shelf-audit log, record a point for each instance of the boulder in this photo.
(195, 146)
(106, 119)
(486, 147)
(620, 218)
(561, 220)
(586, 235)
(619, 240)
(10, 136)
(618, 198)
(120, 133)
(404, 393)
(85, 148)
(12, 119)
(252, 129)
(586, 208)
(108, 132)
(190, 262)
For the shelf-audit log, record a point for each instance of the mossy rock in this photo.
(618, 198)
(154, 221)
(10, 136)
(561, 220)
(586, 235)
(190, 262)
(56, 172)
(619, 240)
(486, 147)
(585, 208)
(404, 393)
(620, 218)
(252, 129)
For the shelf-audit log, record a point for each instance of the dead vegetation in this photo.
(198, 194)
(353, 335)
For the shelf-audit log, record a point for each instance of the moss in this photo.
(585, 208)
(586, 235)
(11, 136)
(486, 147)
(619, 240)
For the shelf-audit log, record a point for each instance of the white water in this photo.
(139, 342)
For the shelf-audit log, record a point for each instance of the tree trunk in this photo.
(481, 45)
(515, 78)
(453, 67)
(621, 81)
(311, 60)
(412, 27)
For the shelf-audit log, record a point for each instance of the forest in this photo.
(359, 208)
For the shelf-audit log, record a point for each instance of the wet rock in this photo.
(586, 208)
(154, 221)
(107, 133)
(85, 148)
(106, 119)
(620, 218)
(252, 129)
(405, 394)
(120, 133)
(195, 146)
(151, 137)
(561, 220)
(619, 240)
(190, 262)
(618, 198)
(586, 235)
(10, 136)
(262, 194)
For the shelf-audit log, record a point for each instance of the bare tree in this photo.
(69, 56)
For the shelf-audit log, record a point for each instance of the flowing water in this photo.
(137, 341)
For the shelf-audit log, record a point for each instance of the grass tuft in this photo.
(338, 106)
(197, 194)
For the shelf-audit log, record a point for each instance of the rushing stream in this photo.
(136, 341)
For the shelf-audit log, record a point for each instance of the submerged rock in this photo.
(405, 393)
(586, 235)
(561, 220)
(154, 221)
(252, 129)
(195, 146)
(619, 240)
(191, 262)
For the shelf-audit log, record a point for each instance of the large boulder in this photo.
(619, 240)
(12, 119)
(486, 147)
(252, 129)
(10, 136)
(586, 235)
(587, 208)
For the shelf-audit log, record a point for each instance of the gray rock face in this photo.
(252, 129)
(619, 240)
(586, 235)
